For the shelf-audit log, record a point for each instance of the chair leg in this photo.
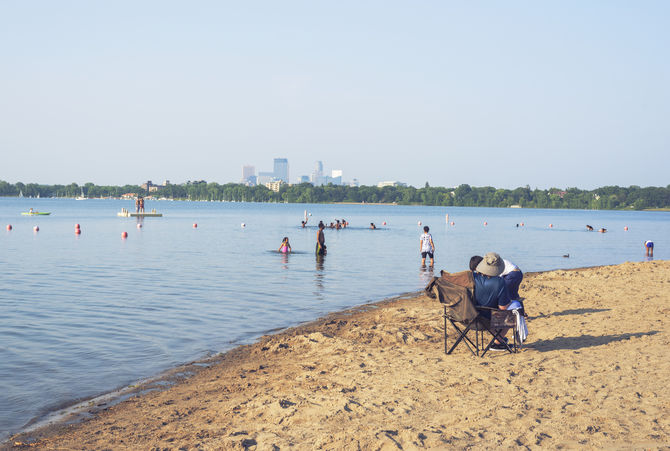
(445, 329)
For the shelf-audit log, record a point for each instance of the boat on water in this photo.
(124, 213)
(33, 213)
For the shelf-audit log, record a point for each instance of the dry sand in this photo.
(592, 374)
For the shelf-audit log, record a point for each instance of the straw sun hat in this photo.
(492, 265)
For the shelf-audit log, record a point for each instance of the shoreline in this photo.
(355, 346)
(81, 409)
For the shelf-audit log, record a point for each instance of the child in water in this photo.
(285, 247)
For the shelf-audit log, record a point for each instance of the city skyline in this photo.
(506, 95)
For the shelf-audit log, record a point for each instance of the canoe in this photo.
(36, 213)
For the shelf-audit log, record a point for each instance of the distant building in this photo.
(354, 183)
(265, 177)
(390, 183)
(150, 187)
(275, 185)
(304, 179)
(317, 174)
(281, 169)
(249, 173)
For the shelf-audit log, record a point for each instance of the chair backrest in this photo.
(456, 292)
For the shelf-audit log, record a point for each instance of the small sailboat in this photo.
(81, 197)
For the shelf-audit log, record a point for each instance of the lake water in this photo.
(82, 315)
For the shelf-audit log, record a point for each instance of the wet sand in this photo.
(592, 374)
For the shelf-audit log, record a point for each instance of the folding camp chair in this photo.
(456, 293)
(482, 326)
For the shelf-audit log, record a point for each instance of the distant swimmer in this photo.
(566, 256)
(602, 230)
(285, 247)
(649, 247)
(426, 246)
(589, 228)
(320, 240)
(373, 226)
(303, 223)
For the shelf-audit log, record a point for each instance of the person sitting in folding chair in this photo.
(490, 291)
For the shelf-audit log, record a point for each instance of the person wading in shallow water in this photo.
(321, 240)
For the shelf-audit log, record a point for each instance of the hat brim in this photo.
(490, 270)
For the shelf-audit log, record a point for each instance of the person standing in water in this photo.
(649, 246)
(321, 240)
(426, 246)
(285, 247)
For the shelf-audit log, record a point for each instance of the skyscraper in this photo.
(248, 172)
(281, 169)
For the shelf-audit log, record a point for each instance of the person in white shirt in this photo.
(512, 276)
(426, 247)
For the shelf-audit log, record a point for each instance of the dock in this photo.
(127, 214)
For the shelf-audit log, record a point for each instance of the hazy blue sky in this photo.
(563, 93)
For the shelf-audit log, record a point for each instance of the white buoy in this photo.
(419, 222)
(243, 225)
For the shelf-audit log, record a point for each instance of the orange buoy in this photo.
(522, 224)
(626, 228)
(195, 225)
(36, 229)
(486, 223)
(77, 231)
(124, 234)
(551, 225)
(76, 226)
(9, 227)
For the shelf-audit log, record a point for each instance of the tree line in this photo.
(605, 198)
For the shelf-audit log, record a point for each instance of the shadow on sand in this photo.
(577, 311)
(583, 341)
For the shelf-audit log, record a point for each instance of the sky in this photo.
(488, 93)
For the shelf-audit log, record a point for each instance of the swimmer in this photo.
(373, 226)
(589, 228)
(602, 230)
(649, 247)
(285, 247)
(303, 223)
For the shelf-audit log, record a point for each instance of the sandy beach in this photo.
(591, 375)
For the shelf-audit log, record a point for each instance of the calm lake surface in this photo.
(82, 315)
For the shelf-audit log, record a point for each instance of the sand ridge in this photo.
(592, 374)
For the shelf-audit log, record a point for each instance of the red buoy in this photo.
(9, 227)
(452, 222)
(384, 223)
(76, 226)
(551, 225)
(195, 225)
(626, 228)
(124, 235)
(486, 223)
(139, 226)
(36, 229)
(77, 231)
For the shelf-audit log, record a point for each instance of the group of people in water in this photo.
(139, 204)
(590, 229)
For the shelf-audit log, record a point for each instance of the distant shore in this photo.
(377, 376)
